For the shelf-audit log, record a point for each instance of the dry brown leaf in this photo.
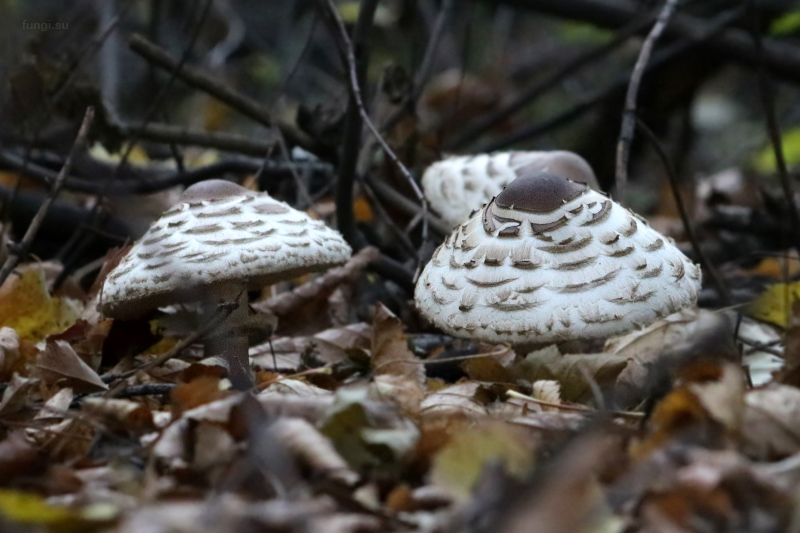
(401, 391)
(390, 352)
(18, 457)
(707, 411)
(454, 400)
(723, 399)
(314, 450)
(573, 372)
(16, 396)
(659, 350)
(120, 414)
(486, 368)
(771, 427)
(573, 499)
(213, 447)
(199, 391)
(59, 361)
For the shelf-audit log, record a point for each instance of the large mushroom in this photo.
(550, 260)
(459, 185)
(217, 242)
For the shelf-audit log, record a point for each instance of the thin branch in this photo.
(20, 251)
(765, 91)
(424, 71)
(167, 133)
(705, 262)
(566, 70)
(405, 204)
(629, 112)
(353, 124)
(355, 91)
(223, 312)
(158, 180)
(781, 59)
(716, 25)
(200, 80)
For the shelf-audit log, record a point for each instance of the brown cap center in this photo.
(214, 190)
(539, 193)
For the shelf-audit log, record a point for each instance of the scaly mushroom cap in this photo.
(457, 186)
(550, 260)
(217, 234)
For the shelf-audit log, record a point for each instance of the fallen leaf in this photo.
(771, 426)
(571, 371)
(59, 361)
(313, 450)
(366, 443)
(457, 399)
(658, 352)
(390, 352)
(27, 307)
(459, 464)
(775, 303)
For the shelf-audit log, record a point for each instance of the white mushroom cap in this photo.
(550, 260)
(217, 234)
(457, 186)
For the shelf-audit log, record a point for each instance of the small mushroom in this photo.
(550, 260)
(459, 185)
(219, 240)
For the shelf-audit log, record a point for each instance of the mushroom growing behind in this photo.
(218, 241)
(459, 185)
(550, 260)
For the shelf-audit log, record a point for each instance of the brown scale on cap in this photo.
(539, 193)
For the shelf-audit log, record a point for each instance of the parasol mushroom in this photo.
(459, 185)
(550, 260)
(218, 241)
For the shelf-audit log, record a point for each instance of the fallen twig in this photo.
(629, 112)
(20, 250)
(285, 303)
(223, 311)
(200, 80)
(355, 90)
(705, 262)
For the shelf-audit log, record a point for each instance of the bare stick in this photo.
(353, 124)
(356, 93)
(715, 26)
(20, 250)
(406, 204)
(167, 133)
(629, 113)
(223, 311)
(569, 69)
(773, 129)
(424, 71)
(200, 80)
(716, 279)
(291, 301)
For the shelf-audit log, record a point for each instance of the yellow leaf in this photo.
(765, 159)
(27, 508)
(27, 307)
(459, 465)
(775, 304)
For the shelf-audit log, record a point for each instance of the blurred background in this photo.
(442, 77)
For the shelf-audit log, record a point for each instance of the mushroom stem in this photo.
(228, 342)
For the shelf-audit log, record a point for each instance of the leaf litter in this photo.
(365, 427)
